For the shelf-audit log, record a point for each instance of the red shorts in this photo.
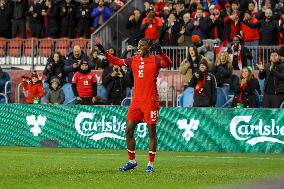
(140, 111)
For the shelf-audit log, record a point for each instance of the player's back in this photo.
(145, 72)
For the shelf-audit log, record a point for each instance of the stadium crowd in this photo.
(217, 33)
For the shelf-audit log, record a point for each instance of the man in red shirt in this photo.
(152, 25)
(84, 85)
(145, 100)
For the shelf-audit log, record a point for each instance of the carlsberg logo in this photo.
(241, 129)
(97, 128)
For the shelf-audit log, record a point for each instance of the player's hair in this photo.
(149, 42)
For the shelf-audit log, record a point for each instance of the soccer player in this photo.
(145, 100)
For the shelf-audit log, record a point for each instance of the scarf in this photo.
(242, 88)
(199, 89)
(238, 54)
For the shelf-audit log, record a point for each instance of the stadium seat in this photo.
(82, 42)
(222, 97)
(46, 47)
(69, 95)
(3, 46)
(186, 98)
(126, 101)
(30, 47)
(63, 46)
(15, 47)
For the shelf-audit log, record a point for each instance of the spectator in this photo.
(35, 18)
(56, 94)
(33, 87)
(19, 18)
(84, 85)
(223, 69)
(268, 29)
(216, 24)
(206, 49)
(232, 26)
(239, 53)
(180, 10)
(198, 25)
(52, 14)
(55, 68)
(207, 3)
(152, 26)
(116, 82)
(84, 17)
(133, 25)
(100, 14)
(5, 19)
(73, 61)
(205, 87)
(273, 73)
(184, 36)
(245, 91)
(97, 62)
(281, 27)
(170, 31)
(250, 33)
(68, 20)
(164, 14)
(4, 77)
(189, 65)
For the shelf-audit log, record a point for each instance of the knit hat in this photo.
(217, 7)
(84, 62)
(281, 51)
(195, 38)
(55, 80)
(204, 62)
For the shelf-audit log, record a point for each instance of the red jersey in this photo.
(35, 90)
(84, 83)
(152, 30)
(145, 72)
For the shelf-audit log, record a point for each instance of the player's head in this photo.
(144, 47)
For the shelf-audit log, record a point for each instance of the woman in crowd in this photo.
(245, 91)
(205, 87)
(223, 69)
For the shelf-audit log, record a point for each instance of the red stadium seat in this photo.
(30, 47)
(15, 47)
(63, 46)
(3, 46)
(46, 47)
(82, 42)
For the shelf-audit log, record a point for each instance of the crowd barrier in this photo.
(34, 52)
(178, 129)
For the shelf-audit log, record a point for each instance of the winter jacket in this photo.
(55, 97)
(223, 74)
(250, 33)
(248, 95)
(210, 91)
(96, 15)
(201, 30)
(53, 70)
(35, 90)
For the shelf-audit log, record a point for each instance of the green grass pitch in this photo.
(89, 168)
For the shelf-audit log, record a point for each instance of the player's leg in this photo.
(130, 141)
(152, 147)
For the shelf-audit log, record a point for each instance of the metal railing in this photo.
(5, 97)
(113, 31)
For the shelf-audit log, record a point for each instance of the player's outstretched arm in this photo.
(112, 59)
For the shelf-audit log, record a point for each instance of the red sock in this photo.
(131, 154)
(152, 156)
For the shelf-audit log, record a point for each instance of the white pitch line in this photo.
(230, 157)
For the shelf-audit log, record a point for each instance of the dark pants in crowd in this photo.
(68, 32)
(84, 30)
(114, 101)
(85, 101)
(19, 27)
(5, 32)
(272, 101)
(36, 30)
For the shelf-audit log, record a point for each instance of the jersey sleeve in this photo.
(118, 61)
(163, 61)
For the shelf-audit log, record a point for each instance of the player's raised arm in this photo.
(114, 60)
(164, 61)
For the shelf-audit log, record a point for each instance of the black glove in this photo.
(100, 47)
(157, 49)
